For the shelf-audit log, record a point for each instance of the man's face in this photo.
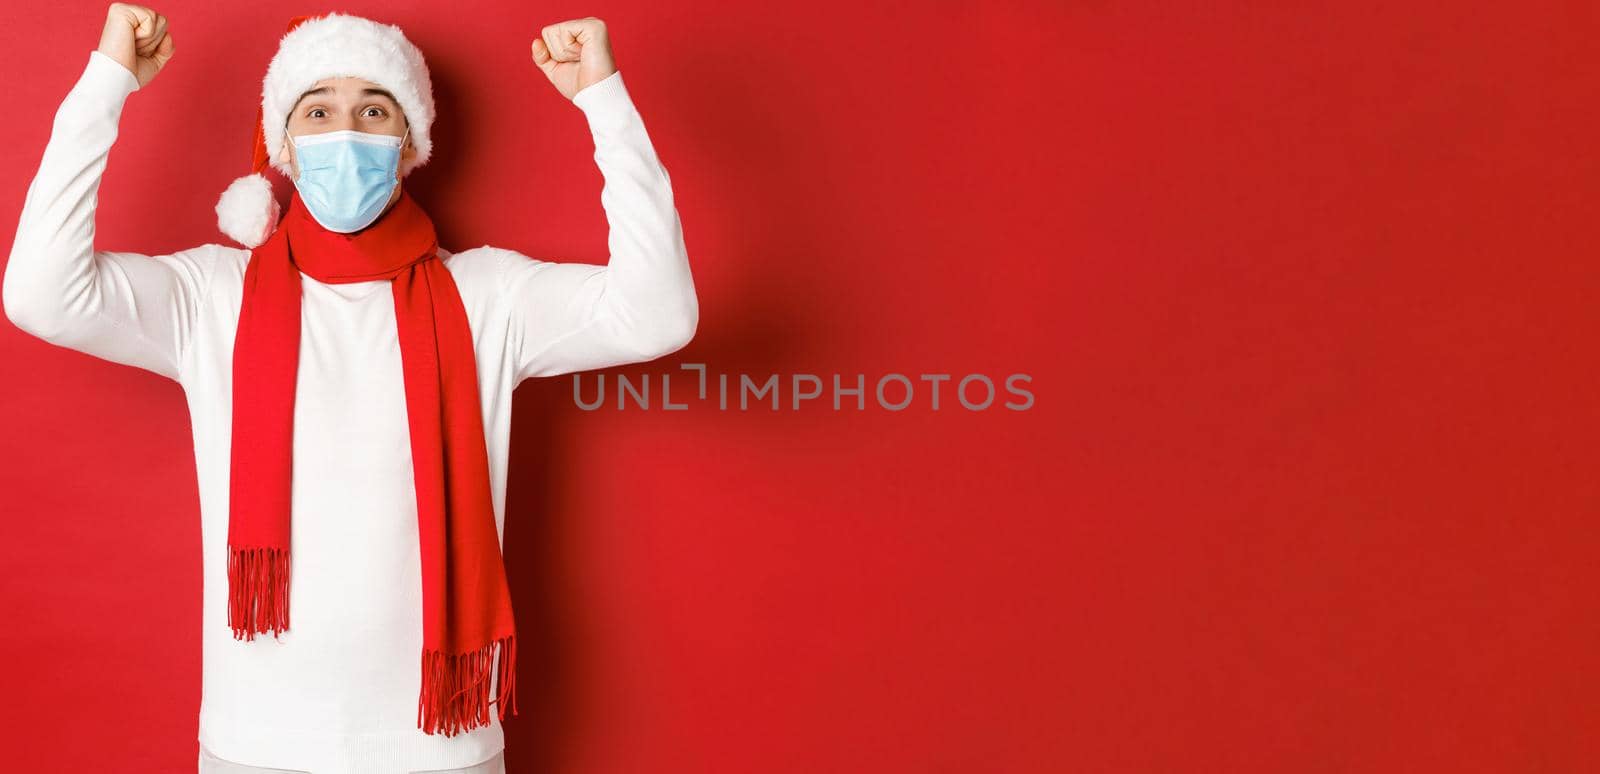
(346, 103)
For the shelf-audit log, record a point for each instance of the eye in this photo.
(380, 114)
(312, 113)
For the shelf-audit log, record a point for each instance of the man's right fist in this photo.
(137, 38)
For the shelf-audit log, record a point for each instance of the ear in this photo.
(408, 149)
(286, 157)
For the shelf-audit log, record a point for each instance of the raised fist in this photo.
(574, 54)
(137, 37)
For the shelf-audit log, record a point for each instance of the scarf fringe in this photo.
(258, 591)
(455, 687)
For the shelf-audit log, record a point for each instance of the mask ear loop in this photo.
(403, 137)
(289, 141)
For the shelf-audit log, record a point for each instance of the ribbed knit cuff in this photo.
(106, 78)
(606, 103)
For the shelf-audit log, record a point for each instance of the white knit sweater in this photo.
(337, 693)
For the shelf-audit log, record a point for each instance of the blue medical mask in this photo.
(346, 176)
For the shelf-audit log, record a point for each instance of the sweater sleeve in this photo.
(568, 317)
(123, 307)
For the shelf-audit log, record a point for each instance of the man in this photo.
(349, 383)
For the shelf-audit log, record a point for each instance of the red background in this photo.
(1305, 293)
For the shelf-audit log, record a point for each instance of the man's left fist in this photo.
(574, 54)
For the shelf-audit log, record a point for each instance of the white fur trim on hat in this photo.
(247, 211)
(341, 45)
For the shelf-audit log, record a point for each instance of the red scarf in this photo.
(466, 602)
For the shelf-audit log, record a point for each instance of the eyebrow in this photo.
(367, 92)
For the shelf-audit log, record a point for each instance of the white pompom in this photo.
(247, 211)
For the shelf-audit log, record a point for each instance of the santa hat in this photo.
(316, 47)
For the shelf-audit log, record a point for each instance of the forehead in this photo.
(346, 83)
(346, 88)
